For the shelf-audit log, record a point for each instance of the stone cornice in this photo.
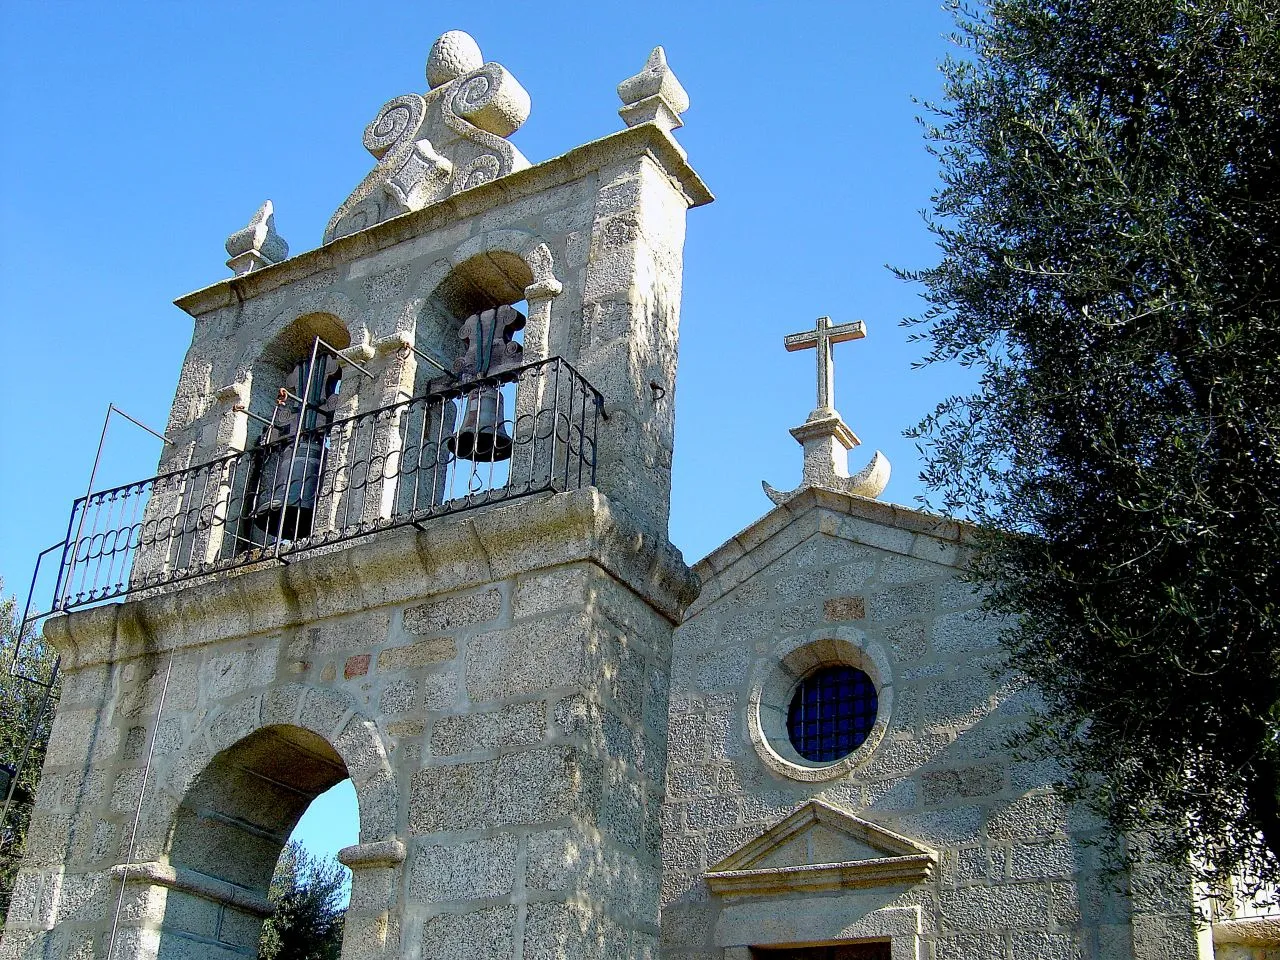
(812, 878)
(383, 568)
(646, 139)
(162, 874)
(1252, 932)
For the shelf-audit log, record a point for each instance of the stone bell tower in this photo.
(411, 530)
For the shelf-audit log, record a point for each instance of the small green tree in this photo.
(308, 895)
(1109, 226)
(25, 712)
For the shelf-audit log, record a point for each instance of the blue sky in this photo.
(137, 137)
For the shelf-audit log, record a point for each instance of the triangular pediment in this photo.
(821, 847)
(814, 512)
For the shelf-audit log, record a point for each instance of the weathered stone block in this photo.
(420, 654)
(547, 590)
(844, 608)
(941, 786)
(399, 697)
(539, 655)
(464, 870)
(483, 935)
(557, 930)
(440, 691)
(514, 725)
(449, 613)
(1002, 907)
(537, 786)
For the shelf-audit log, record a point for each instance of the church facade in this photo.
(411, 530)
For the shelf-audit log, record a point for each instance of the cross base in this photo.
(827, 440)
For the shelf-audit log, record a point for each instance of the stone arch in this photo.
(328, 714)
(238, 792)
(490, 269)
(265, 372)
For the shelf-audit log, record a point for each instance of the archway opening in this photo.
(469, 438)
(229, 833)
(285, 351)
(483, 282)
(296, 392)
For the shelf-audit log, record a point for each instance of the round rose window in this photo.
(832, 713)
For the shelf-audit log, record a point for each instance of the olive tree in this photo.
(1108, 220)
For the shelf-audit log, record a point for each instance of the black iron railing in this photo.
(527, 430)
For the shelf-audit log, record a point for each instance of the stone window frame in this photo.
(774, 685)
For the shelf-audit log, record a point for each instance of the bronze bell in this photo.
(287, 482)
(482, 436)
(289, 495)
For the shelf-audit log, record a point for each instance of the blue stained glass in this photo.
(832, 713)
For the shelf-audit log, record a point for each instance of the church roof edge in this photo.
(887, 526)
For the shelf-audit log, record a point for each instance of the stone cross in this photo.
(826, 438)
(822, 337)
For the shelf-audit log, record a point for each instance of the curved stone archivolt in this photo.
(243, 781)
(317, 721)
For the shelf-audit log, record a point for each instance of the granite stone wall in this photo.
(837, 578)
(504, 730)
(494, 683)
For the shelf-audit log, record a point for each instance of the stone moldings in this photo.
(821, 847)
(430, 146)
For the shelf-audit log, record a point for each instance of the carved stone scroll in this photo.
(431, 146)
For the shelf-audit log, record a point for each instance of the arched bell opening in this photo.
(473, 325)
(282, 354)
(296, 392)
(483, 282)
(228, 836)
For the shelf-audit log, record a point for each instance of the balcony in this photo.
(528, 430)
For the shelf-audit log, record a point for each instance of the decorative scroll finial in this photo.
(825, 437)
(453, 55)
(653, 95)
(433, 145)
(257, 244)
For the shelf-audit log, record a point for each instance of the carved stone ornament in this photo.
(653, 95)
(257, 244)
(433, 145)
